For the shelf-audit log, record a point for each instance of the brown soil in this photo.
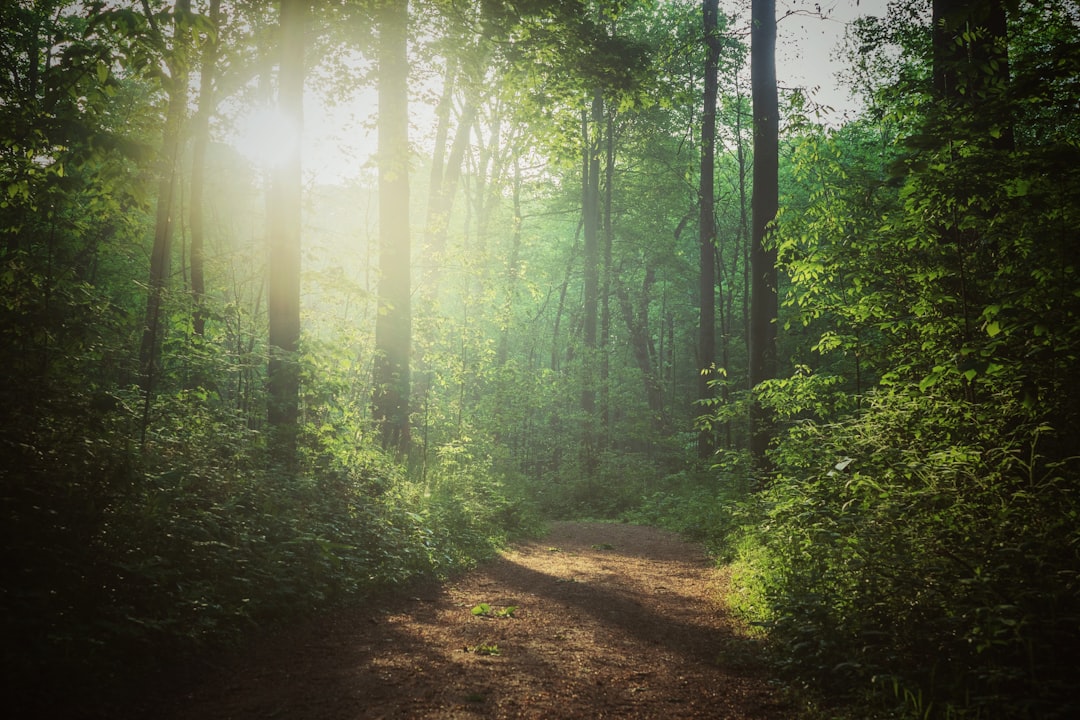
(609, 621)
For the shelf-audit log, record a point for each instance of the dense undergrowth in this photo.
(917, 559)
(122, 560)
(926, 550)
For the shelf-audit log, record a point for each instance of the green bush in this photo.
(700, 508)
(924, 547)
(120, 556)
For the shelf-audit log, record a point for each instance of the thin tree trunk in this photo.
(201, 141)
(591, 281)
(563, 288)
(168, 168)
(605, 273)
(503, 351)
(970, 80)
(707, 226)
(637, 324)
(445, 177)
(742, 249)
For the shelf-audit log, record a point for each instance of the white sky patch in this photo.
(806, 49)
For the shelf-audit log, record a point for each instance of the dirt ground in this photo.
(593, 621)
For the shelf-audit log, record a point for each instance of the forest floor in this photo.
(593, 621)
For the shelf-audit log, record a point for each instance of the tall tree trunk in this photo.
(492, 166)
(283, 277)
(741, 254)
(971, 66)
(637, 324)
(605, 272)
(445, 177)
(707, 224)
(561, 307)
(764, 204)
(590, 209)
(970, 82)
(168, 168)
(393, 325)
(512, 271)
(201, 141)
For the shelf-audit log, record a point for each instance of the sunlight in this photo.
(266, 137)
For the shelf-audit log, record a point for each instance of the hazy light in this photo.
(266, 137)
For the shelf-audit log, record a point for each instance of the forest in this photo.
(563, 259)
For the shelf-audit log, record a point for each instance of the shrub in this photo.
(925, 547)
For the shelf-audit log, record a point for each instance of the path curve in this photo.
(609, 621)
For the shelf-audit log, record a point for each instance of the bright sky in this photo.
(339, 140)
(806, 48)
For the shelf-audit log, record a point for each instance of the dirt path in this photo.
(609, 621)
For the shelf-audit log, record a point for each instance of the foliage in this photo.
(919, 537)
(485, 610)
(926, 544)
(196, 540)
(698, 506)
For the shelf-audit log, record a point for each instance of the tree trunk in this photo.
(637, 324)
(605, 272)
(590, 217)
(445, 177)
(971, 61)
(590, 209)
(201, 141)
(561, 307)
(764, 203)
(512, 271)
(970, 82)
(707, 225)
(168, 167)
(283, 277)
(393, 326)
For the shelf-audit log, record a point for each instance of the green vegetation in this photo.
(240, 389)
(483, 649)
(486, 611)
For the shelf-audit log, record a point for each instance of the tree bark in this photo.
(168, 168)
(393, 325)
(591, 220)
(644, 351)
(605, 270)
(590, 217)
(764, 203)
(971, 59)
(512, 271)
(200, 142)
(283, 277)
(445, 177)
(707, 224)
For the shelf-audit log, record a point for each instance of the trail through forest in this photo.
(592, 621)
